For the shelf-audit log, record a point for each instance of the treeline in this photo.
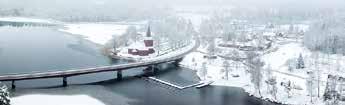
(83, 10)
(327, 35)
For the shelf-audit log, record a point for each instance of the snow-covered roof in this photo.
(138, 45)
(269, 34)
(148, 38)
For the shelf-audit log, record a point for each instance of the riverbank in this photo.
(277, 63)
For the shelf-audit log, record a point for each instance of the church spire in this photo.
(148, 32)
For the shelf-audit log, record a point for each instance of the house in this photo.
(144, 47)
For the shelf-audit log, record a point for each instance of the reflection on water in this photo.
(80, 47)
(29, 49)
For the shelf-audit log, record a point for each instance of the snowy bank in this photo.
(55, 100)
(72, 95)
(31, 20)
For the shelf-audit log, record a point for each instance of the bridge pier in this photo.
(154, 69)
(151, 70)
(177, 62)
(64, 81)
(119, 75)
(13, 86)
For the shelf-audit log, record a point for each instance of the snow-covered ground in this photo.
(101, 33)
(25, 19)
(278, 60)
(173, 53)
(52, 100)
(98, 33)
(72, 95)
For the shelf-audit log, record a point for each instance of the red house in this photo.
(144, 48)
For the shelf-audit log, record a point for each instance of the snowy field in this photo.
(98, 33)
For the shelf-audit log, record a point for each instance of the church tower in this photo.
(149, 41)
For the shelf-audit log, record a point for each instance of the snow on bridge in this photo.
(173, 56)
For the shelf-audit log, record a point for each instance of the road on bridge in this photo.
(119, 68)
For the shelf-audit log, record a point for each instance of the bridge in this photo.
(175, 57)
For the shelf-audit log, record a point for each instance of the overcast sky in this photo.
(306, 3)
(42, 7)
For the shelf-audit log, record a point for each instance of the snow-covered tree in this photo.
(300, 62)
(291, 29)
(172, 30)
(203, 71)
(190, 29)
(270, 79)
(315, 57)
(4, 96)
(208, 33)
(268, 71)
(291, 64)
(310, 85)
(288, 88)
(325, 35)
(256, 73)
(227, 69)
(194, 63)
(274, 90)
(236, 55)
(132, 33)
(272, 86)
(211, 48)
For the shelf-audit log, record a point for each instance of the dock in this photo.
(204, 84)
(176, 86)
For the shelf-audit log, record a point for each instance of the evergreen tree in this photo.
(4, 96)
(300, 62)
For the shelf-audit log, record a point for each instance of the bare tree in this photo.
(255, 71)
(268, 74)
(211, 46)
(318, 71)
(272, 86)
(194, 64)
(288, 87)
(310, 85)
(236, 56)
(203, 71)
(227, 69)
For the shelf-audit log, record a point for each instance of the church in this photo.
(144, 47)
